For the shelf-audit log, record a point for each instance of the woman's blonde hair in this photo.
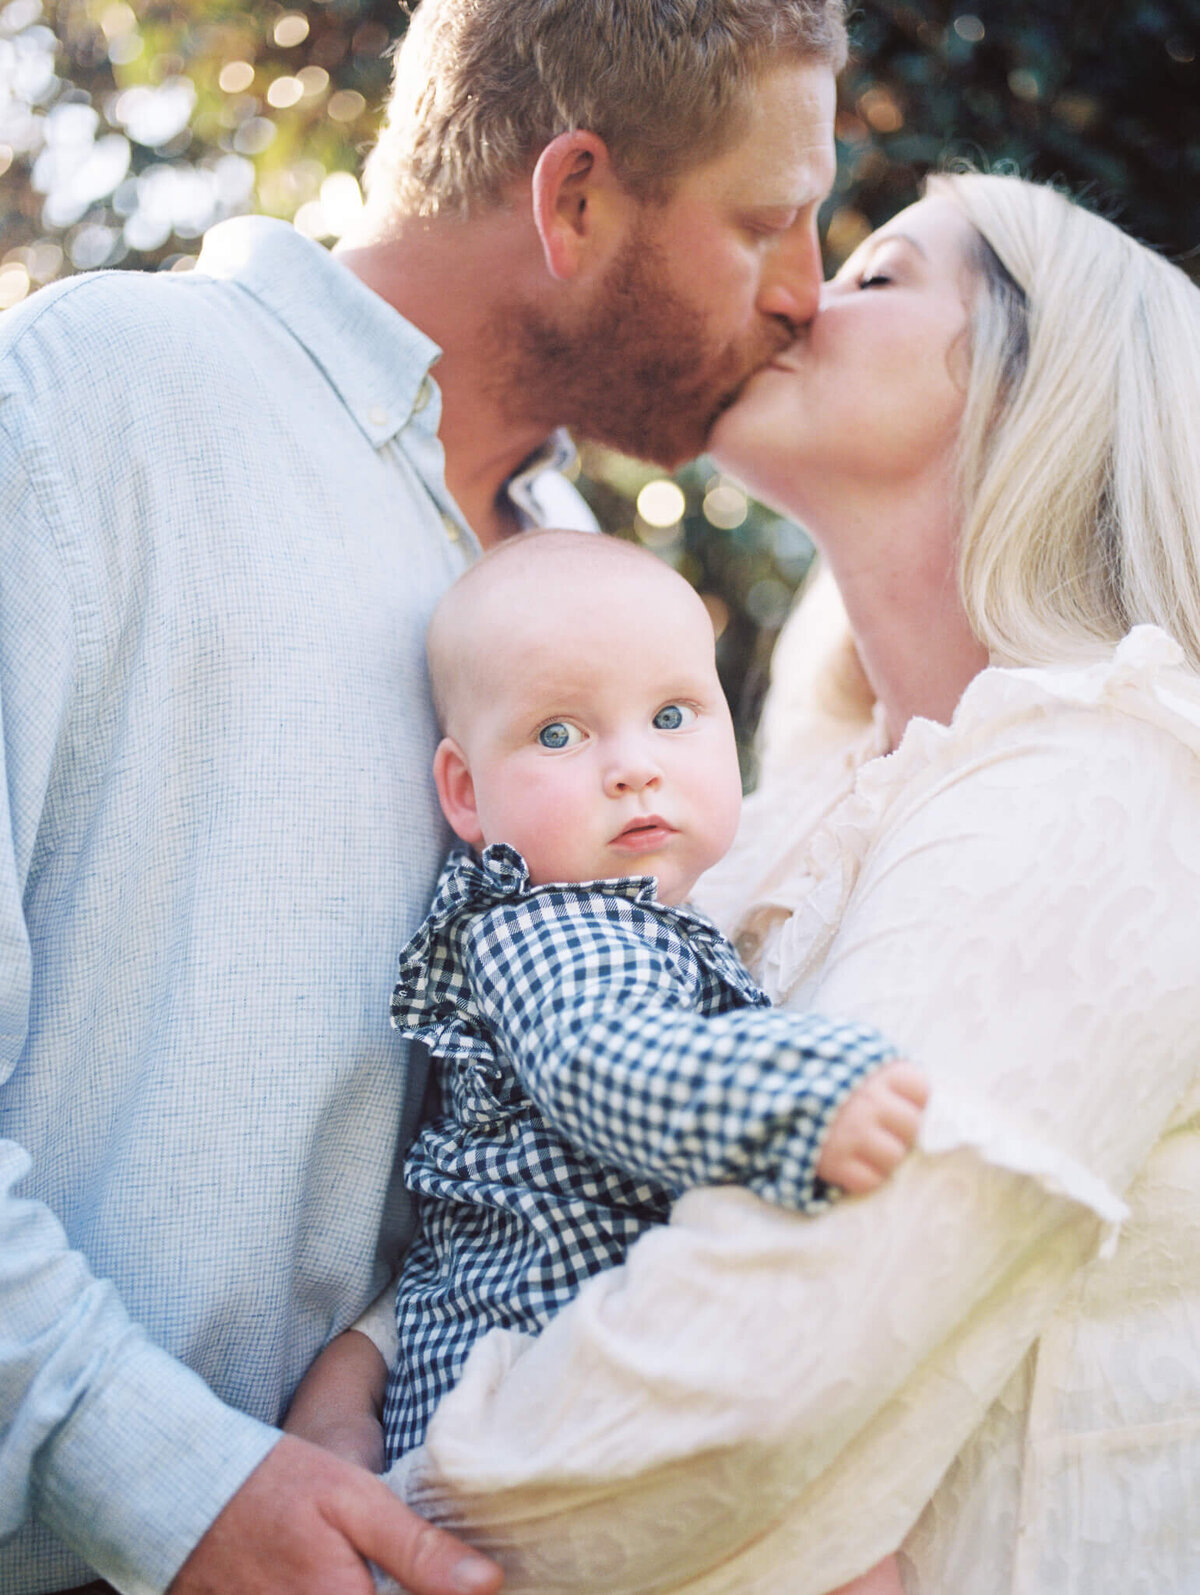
(1080, 444)
(482, 86)
(1079, 459)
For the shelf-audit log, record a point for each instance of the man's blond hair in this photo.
(482, 86)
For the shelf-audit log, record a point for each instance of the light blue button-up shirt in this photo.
(223, 524)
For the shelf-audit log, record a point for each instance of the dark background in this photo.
(128, 128)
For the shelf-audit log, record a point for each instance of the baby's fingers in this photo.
(905, 1080)
(877, 1155)
(857, 1177)
(900, 1118)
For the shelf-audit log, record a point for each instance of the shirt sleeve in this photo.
(602, 1028)
(378, 1324)
(117, 1447)
(755, 1400)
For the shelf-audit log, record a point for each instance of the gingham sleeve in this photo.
(598, 1015)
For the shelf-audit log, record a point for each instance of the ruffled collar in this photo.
(471, 882)
(431, 995)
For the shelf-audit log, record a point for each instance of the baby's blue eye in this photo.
(673, 717)
(559, 734)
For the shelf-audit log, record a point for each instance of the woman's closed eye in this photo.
(558, 734)
(875, 279)
(674, 716)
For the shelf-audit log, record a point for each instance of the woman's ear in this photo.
(456, 791)
(577, 201)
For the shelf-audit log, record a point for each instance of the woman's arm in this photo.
(752, 1390)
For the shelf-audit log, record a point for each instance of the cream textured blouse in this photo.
(994, 1361)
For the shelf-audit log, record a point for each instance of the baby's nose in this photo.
(632, 772)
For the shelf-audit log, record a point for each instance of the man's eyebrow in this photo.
(775, 209)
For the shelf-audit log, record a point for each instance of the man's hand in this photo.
(874, 1128)
(303, 1523)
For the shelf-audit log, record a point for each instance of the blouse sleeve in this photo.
(754, 1390)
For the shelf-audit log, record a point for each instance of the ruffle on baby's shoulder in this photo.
(431, 998)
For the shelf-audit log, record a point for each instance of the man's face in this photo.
(707, 288)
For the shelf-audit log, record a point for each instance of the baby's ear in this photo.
(456, 791)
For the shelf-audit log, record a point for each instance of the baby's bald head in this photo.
(585, 725)
(537, 591)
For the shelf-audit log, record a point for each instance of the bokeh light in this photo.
(290, 30)
(236, 77)
(725, 505)
(14, 283)
(661, 503)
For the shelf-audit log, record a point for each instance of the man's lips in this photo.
(643, 835)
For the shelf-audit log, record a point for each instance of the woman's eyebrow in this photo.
(870, 247)
(904, 238)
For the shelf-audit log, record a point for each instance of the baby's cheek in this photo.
(724, 810)
(555, 842)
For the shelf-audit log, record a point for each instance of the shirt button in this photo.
(377, 415)
(424, 394)
(453, 530)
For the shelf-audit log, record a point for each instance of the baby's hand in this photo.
(874, 1128)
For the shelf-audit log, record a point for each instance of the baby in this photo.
(599, 1047)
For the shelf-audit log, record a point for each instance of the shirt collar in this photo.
(377, 362)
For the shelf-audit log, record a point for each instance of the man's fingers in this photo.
(423, 1559)
(305, 1523)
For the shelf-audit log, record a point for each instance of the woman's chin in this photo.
(737, 456)
(750, 439)
(736, 446)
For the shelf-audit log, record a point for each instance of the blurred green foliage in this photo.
(127, 128)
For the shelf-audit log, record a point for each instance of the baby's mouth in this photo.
(646, 832)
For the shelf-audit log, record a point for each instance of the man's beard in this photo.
(637, 372)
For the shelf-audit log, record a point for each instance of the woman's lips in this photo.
(643, 835)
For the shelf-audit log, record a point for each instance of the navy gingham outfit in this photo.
(598, 1053)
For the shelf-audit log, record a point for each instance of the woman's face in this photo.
(870, 396)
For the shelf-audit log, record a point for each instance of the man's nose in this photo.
(792, 275)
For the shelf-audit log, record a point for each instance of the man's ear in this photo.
(456, 791)
(577, 202)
